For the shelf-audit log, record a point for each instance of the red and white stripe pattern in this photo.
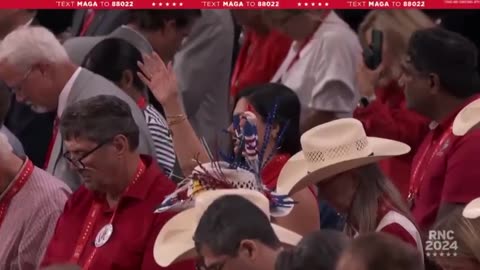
(30, 220)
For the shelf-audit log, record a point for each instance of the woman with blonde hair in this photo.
(465, 245)
(341, 160)
(382, 108)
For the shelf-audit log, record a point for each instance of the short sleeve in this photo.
(462, 179)
(335, 76)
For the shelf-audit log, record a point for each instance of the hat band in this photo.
(339, 152)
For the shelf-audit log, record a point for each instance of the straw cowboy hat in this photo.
(219, 175)
(472, 209)
(175, 240)
(333, 148)
(467, 118)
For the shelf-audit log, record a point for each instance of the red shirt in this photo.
(450, 172)
(258, 60)
(388, 117)
(135, 226)
(392, 222)
(271, 171)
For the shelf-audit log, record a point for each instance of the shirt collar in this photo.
(447, 122)
(20, 172)
(150, 176)
(140, 189)
(62, 99)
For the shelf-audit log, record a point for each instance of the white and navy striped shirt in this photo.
(162, 140)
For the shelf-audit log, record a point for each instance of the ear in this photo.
(248, 249)
(275, 131)
(43, 68)
(126, 81)
(121, 145)
(434, 83)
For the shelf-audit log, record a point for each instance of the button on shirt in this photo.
(452, 175)
(324, 76)
(135, 226)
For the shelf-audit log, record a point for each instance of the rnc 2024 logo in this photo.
(441, 243)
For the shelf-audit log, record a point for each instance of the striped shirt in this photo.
(30, 220)
(158, 126)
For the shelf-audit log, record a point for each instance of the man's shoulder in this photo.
(78, 47)
(50, 192)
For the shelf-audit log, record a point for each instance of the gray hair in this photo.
(99, 119)
(27, 46)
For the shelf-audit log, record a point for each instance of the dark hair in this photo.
(317, 251)
(449, 55)
(264, 97)
(230, 220)
(111, 57)
(153, 20)
(384, 251)
(99, 119)
(5, 99)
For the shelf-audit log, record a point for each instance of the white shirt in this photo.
(62, 99)
(324, 76)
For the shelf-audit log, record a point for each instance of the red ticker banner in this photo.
(252, 4)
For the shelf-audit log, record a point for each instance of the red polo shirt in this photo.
(135, 226)
(450, 174)
(259, 59)
(388, 117)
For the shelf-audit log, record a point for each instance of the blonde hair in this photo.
(397, 26)
(466, 233)
(373, 187)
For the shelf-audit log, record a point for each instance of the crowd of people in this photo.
(239, 139)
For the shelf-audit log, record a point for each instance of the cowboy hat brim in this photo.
(467, 118)
(472, 209)
(295, 173)
(175, 241)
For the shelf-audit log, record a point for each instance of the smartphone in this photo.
(372, 55)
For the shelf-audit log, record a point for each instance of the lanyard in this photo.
(90, 221)
(419, 171)
(24, 176)
(142, 103)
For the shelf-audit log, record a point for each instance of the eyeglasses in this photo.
(77, 162)
(20, 84)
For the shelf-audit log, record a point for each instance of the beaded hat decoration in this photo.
(243, 171)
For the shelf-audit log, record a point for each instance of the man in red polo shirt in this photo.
(109, 223)
(440, 78)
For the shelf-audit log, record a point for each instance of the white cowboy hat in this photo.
(467, 118)
(175, 240)
(237, 178)
(472, 209)
(332, 148)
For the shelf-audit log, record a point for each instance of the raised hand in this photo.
(160, 78)
(368, 79)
